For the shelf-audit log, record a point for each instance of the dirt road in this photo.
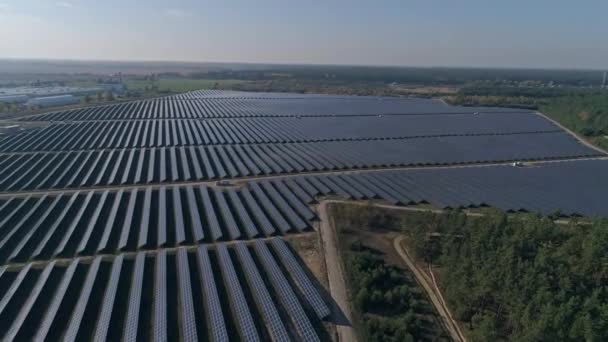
(337, 285)
(433, 292)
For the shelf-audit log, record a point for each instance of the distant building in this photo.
(53, 101)
(14, 98)
(604, 84)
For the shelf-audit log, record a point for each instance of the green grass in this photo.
(177, 85)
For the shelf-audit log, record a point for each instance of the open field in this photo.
(195, 193)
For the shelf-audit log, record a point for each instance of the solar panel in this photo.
(335, 188)
(228, 219)
(25, 309)
(284, 206)
(160, 297)
(220, 172)
(174, 167)
(145, 219)
(346, 186)
(162, 216)
(297, 190)
(103, 242)
(132, 319)
(42, 245)
(209, 172)
(261, 296)
(212, 222)
(245, 220)
(180, 234)
(58, 298)
(187, 322)
(126, 226)
(314, 181)
(76, 221)
(358, 184)
(232, 171)
(117, 164)
(296, 203)
(32, 230)
(285, 293)
(163, 164)
(379, 190)
(127, 168)
(300, 278)
(195, 218)
(212, 302)
(103, 322)
(259, 163)
(270, 208)
(387, 189)
(185, 168)
(198, 173)
(83, 300)
(309, 188)
(258, 214)
(8, 295)
(8, 234)
(151, 166)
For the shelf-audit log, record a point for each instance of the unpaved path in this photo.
(433, 293)
(569, 131)
(335, 275)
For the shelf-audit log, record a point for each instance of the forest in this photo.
(389, 306)
(505, 276)
(522, 278)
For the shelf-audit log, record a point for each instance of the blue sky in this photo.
(514, 33)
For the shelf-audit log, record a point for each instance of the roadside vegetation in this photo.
(387, 302)
(583, 110)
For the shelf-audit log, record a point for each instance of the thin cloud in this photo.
(64, 4)
(177, 13)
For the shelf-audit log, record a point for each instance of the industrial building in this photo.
(14, 98)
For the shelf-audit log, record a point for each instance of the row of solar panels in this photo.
(93, 222)
(570, 188)
(167, 108)
(56, 170)
(87, 223)
(157, 133)
(238, 292)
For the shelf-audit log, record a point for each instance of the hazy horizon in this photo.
(468, 34)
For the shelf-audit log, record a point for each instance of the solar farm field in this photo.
(196, 196)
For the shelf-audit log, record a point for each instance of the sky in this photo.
(468, 33)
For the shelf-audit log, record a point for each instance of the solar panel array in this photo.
(155, 295)
(133, 243)
(59, 170)
(253, 105)
(93, 135)
(568, 187)
(92, 222)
